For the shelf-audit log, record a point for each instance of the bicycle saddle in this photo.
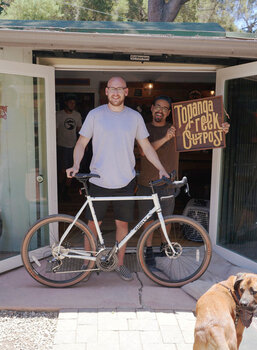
(82, 176)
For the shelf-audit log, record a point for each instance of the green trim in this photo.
(241, 35)
(153, 28)
(138, 28)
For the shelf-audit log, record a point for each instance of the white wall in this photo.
(16, 54)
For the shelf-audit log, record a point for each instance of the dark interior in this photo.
(196, 165)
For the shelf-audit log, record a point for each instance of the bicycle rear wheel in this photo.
(38, 251)
(185, 263)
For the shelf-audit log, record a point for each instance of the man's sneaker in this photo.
(149, 256)
(124, 273)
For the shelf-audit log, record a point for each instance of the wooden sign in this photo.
(198, 124)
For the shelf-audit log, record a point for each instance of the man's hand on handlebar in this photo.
(163, 173)
(71, 172)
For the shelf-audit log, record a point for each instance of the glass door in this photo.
(234, 223)
(27, 153)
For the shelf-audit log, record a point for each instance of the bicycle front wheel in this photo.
(39, 250)
(185, 262)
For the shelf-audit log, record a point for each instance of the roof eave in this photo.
(130, 43)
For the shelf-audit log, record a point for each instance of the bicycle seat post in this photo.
(85, 187)
(151, 185)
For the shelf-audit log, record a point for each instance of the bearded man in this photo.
(162, 138)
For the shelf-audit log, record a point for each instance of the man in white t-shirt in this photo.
(68, 123)
(114, 128)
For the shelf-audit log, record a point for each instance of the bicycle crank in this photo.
(106, 261)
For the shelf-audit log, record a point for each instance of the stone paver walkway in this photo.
(93, 329)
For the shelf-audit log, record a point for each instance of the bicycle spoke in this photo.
(43, 257)
(184, 263)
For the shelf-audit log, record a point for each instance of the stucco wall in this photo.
(16, 54)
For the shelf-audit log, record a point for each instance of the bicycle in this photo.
(60, 250)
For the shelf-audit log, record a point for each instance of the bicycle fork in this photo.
(160, 217)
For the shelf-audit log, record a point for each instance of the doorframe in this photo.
(48, 74)
(222, 75)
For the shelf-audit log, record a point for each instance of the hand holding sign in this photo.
(199, 124)
(171, 133)
(225, 127)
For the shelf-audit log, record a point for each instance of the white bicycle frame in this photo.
(90, 200)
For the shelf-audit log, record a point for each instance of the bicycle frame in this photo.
(90, 200)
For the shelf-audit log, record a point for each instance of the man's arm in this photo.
(169, 135)
(152, 156)
(158, 143)
(78, 155)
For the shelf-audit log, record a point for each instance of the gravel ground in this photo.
(27, 330)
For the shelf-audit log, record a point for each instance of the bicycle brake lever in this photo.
(172, 175)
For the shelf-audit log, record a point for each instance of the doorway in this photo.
(143, 87)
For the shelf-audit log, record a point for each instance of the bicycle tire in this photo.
(37, 252)
(191, 260)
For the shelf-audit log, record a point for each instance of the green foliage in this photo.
(246, 14)
(33, 10)
(189, 12)
(88, 10)
(3, 6)
(120, 10)
(137, 10)
(71, 9)
(231, 15)
(130, 10)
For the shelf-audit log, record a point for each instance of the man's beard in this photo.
(158, 118)
(116, 102)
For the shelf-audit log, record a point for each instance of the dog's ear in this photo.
(239, 279)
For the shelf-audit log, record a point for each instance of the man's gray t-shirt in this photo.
(113, 136)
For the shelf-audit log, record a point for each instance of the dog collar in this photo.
(236, 300)
(245, 315)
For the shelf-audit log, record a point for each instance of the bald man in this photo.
(114, 128)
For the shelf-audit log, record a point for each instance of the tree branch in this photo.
(171, 9)
(155, 8)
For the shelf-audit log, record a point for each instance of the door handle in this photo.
(40, 178)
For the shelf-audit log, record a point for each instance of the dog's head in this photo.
(246, 285)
